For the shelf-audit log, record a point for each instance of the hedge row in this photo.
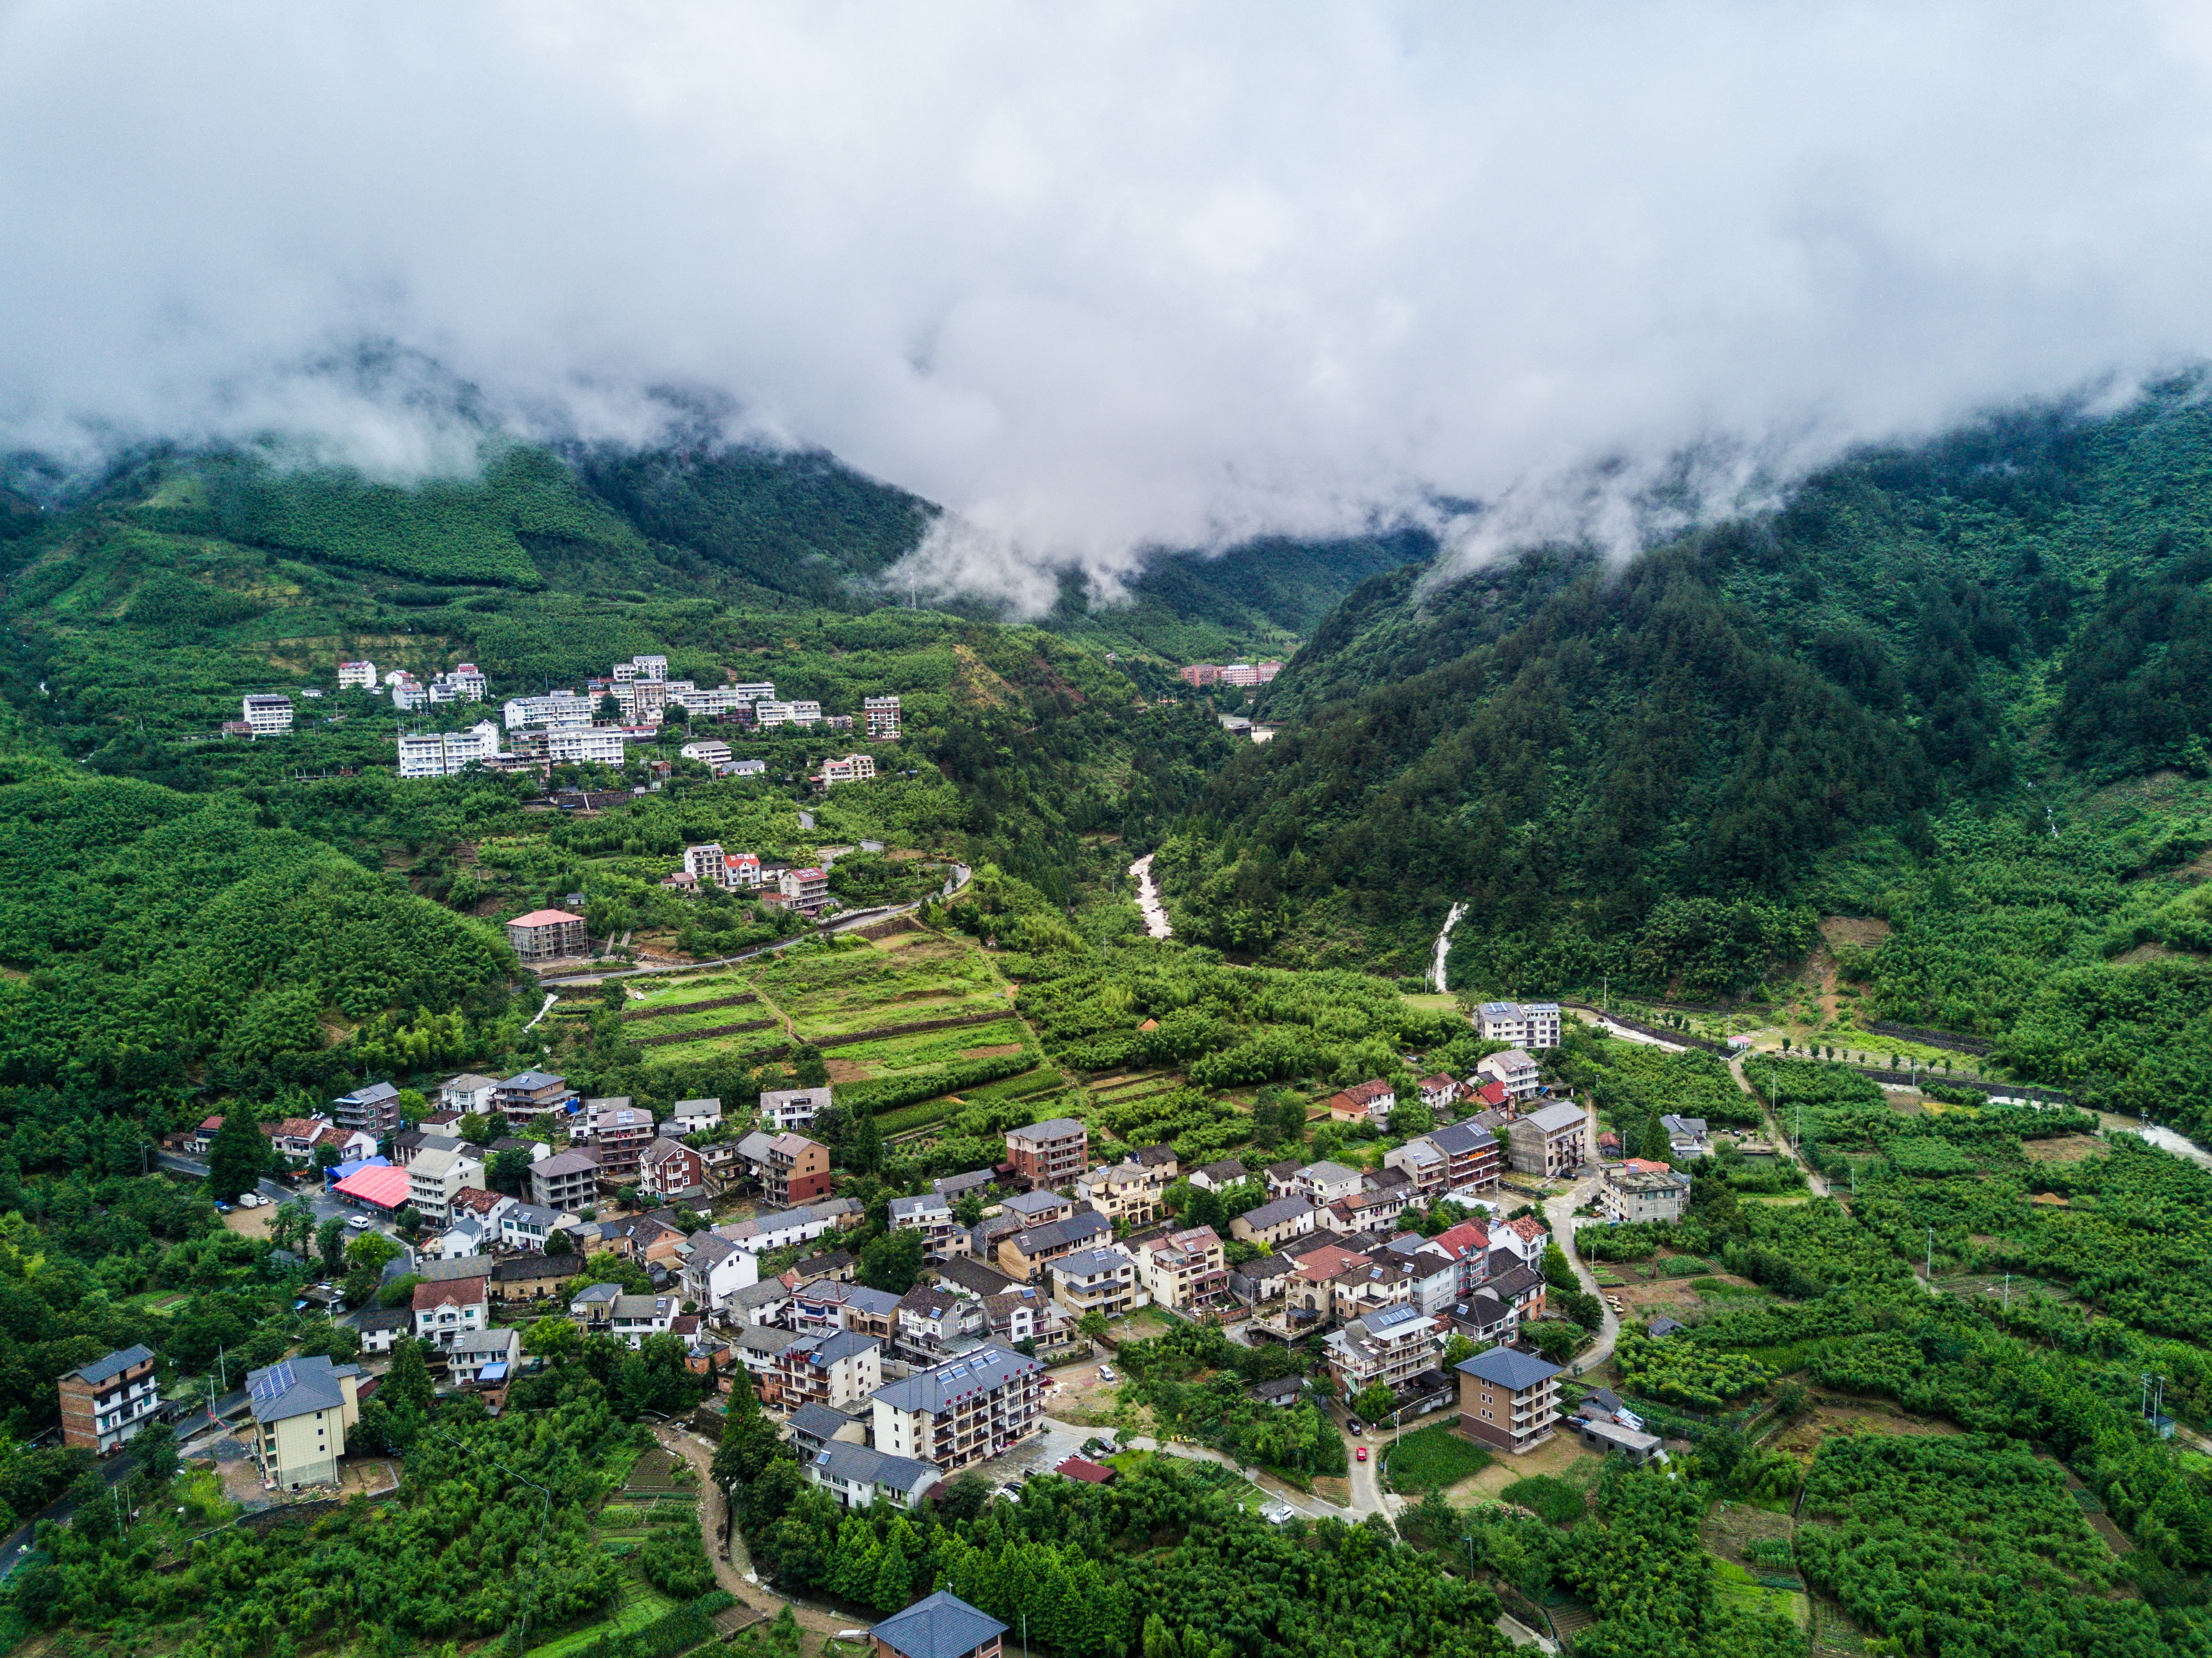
(700, 1035)
(891, 1092)
(883, 1033)
(675, 1008)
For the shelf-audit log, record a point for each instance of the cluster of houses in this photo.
(708, 864)
(1202, 674)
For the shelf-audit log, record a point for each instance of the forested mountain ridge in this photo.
(1914, 693)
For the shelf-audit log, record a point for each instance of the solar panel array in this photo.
(274, 1380)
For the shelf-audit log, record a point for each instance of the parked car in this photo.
(1106, 1373)
(1361, 1452)
(221, 1207)
(359, 1223)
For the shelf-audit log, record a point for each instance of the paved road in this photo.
(17, 1543)
(1560, 1216)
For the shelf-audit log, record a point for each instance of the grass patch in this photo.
(641, 1607)
(1548, 1497)
(1432, 1458)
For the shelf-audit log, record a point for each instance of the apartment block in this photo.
(268, 715)
(567, 1182)
(851, 769)
(1048, 1154)
(962, 1412)
(562, 710)
(1530, 1024)
(545, 935)
(783, 1108)
(1550, 1141)
(882, 714)
(1188, 1270)
(838, 1369)
(433, 1178)
(1508, 1399)
(798, 1169)
(447, 754)
(1392, 1345)
(1096, 1281)
(360, 676)
(805, 888)
(373, 1109)
(592, 745)
(302, 1408)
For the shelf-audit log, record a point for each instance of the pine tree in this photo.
(408, 1381)
(239, 1155)
(894, 1582)
(1654, 1146)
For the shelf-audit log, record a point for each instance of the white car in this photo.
(359, 1223)
(1106, 1373)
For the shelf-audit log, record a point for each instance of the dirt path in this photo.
(1559, 1213)
(733, 1571)
(1814, 1181)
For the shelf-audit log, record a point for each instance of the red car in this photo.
(1362, 1450)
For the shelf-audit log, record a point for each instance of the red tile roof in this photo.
(1077, 1467)
(543, 918)
(453, 1292)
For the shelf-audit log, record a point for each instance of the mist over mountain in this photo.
(1098, 282)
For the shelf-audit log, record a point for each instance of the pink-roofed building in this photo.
(386, 1189)
(546, 934)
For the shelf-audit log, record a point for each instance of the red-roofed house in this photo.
(1469, 1245)
(295, 1136)
(1526, 1237)
(805, 888)
(1307, 1288)
(1492, 1094)
(1367, 1101)
(543, 934)
(203, 1136)
(1092, 1474)
(1438, 1091)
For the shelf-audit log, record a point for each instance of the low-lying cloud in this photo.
(1101, 280)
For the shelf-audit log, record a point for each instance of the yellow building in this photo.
(302, 1410)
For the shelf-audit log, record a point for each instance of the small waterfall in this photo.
(1443, 945)
(1148, 899)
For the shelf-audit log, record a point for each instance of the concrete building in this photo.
(591, 745)
(1550, 1141)
(882, 715)
(1023, 1255)
(668, 1171)
(1124, 1192)
(805, 888)
(1188, 1270)
(619, 1132)
(851, 769)
(566, 1181)
(798, 1169)
(1051, 1153)
(961, 1411)
(454, 1307)
(784, 1108)
(837, 1369)
(484, 1358)
(526, 1226)
(302, 1408)
(1274, 1222)
(447, 754)
(716, 1270)
(530, 1096)
(357, 676)
(1514, 1070)
(373, 1109)
(104, 1403)
(269, 715)
(1532, 1024)
(468, 1093)
(562, 710)
(856, 1475)
(931, 1215)
(708, 752)
(545, 935)
(1644, 1192)
(633, 1318)
(1508, 1399)
(1323, 1183)
(1097, 1281)
(434, 1177)
(1367, 1101)
(1392, 1345)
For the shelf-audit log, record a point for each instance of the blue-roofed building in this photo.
(941, 1626)
(1507, 1398)
(339, 1171)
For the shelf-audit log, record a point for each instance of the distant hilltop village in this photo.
(593, 727)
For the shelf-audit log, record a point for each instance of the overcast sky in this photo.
(1098, 279)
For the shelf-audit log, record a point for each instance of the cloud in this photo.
(1104, 279)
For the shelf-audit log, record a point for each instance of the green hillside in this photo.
(1960, 688)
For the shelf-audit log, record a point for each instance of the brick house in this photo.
(1508, 1399)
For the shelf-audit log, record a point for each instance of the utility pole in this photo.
(1932, 1258)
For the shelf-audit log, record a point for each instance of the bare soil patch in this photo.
(994, 1051)
(1857, 931)
(2066, 1148)
(1732, 1528)
(1833, 1417)
(2143, 953)
(849, 1071)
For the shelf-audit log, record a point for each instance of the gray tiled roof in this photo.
(841, 1459)
(942, 1626)
(113, 1364)
(293, 1387)
(1508, 1367)
(989, 1367)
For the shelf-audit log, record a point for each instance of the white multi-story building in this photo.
(649, 668)
(882, 713)
(707, 753)
(268, 714)
(962, 1412)
(706, 863)
(788, 713)
(407, 693)
(443, 753)
(852, 769)
(600, 746)
(1533, 1025)
(562, 710)
(361, 675)
(469, 680)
